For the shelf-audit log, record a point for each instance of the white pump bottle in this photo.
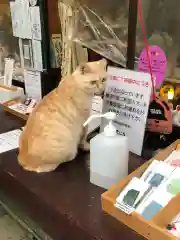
(109, 154)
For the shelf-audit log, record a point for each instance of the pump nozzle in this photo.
(109, 115)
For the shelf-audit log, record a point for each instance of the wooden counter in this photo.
(64, 203)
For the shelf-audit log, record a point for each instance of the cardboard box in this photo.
(156, 228)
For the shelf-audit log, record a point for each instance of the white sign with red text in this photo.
(128, 95)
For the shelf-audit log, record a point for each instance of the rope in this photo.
(146, 46)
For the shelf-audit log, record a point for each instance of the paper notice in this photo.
(37, 55)
(21, 22)
(9, 140)
(128, 95)
(33, 84)
(26, 22)
(14, 18)
(35, 23)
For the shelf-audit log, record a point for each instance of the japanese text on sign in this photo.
(129, 80)
(128, 95)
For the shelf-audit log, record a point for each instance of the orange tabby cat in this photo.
(54, 130)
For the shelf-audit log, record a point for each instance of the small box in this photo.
(7, 107)
(8, 93)
(156, 227)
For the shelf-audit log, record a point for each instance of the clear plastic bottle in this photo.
(109, 156)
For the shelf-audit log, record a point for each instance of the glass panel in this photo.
(103, 27)
(162, 21)
(9, 45)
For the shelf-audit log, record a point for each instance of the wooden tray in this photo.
(154, 229)
(12, 102)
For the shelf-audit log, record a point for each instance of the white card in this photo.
(9, 140)
(149, 170)
(26, 20)
(26, 52)
(128, 95)
(35, 23)
(126, 209)
(8, 71)
(21, 52)
(96, 108)
(37, 55)
(21, 22)
(134, 185)
(175, 155)
(14, 18)
(33, 84)
(159, 195)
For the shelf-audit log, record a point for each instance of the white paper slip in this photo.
(21, 22)
(96, 108)
(9, 140)
(160, 168)
(26, 51)
(14, 18)
(131, 194)
(158, 195)
(8, 71)
(37, 55)
(35, 23)
(33, 84)
(126, 209)
(175, 155)
(26, 19)
(149, 170)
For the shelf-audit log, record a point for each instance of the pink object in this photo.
(158, 62)
(176, 163)
(178, 108)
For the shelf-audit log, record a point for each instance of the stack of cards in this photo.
(151, 192)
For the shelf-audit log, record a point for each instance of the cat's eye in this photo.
(93, 82)
(103, 80)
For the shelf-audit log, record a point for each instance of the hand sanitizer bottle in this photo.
(109, 155)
